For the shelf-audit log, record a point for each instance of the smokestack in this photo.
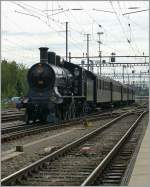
(43, 54)
(58, 60)
(52, 58)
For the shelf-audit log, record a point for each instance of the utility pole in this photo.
(66, 41)
(128, 79)
(133, 71)
(123, 72)
(140, 83)
(88, 51)
(70, 57)
(99, 42)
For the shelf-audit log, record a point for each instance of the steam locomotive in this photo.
(60, 90)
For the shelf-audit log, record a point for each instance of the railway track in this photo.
(14, 132)
(72, 164)
(116, 168)
(12, 117)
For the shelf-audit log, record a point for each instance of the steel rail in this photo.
(33, 130)
(21, 130)
(99, 169)
(90, 117)
(11, 117)
(9, 129)
(23, 173)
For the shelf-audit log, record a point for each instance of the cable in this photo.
(142, 28)
(29, 49)
(135, 12)
(82, 32)
(73, 17)
(58, 34)
(128, 41)
(104, 29)
(129, 29)
(33, 15)
(44, 21)
(69, 24)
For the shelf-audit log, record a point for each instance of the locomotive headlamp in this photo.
(40, 82)
(39, 68)
(76, 72)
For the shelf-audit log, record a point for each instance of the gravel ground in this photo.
(11, 123)
(69, 167)
(27, 139)
(36, 151)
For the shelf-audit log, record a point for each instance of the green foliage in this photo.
(13, 79)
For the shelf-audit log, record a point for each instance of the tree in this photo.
(13, 79)
(19, 88)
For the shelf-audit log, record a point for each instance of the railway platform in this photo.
(141, 171)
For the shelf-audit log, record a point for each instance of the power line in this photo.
(42, 15)
(103, 10)
(129, 28)
(73, 17)
(45, 23)
(143, 29)
(70, 20)
(104, 29)
(128, 41)
(135, 12)
(14, 43)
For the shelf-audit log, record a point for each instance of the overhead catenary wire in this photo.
(61, 35)
(136, 24)
(61, 24)
(28, 49)
(131, 33)
(22, 40)
(42, 15)
(124, 33)
(135, 12)
(102, 27)
(38, 17)
(75, 22)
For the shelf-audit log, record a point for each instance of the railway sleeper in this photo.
(117, 177)
(68, 169)
(65, 172)
(110, 182)
(113, 174)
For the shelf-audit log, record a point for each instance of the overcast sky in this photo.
(26, 26)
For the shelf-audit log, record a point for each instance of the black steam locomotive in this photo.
(59, 90)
